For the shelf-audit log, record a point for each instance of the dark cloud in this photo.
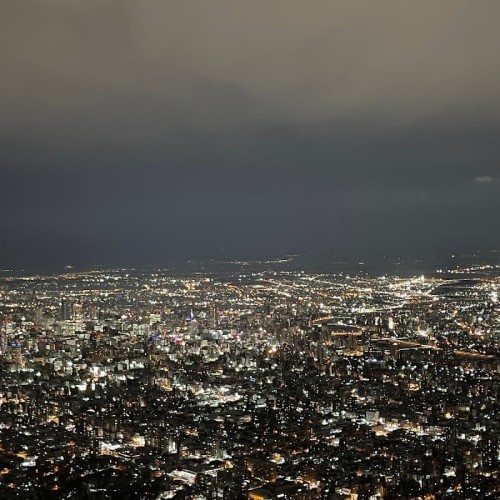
(136, 132)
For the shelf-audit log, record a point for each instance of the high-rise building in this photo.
(66, 310)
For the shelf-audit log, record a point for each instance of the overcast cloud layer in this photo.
(137, 132)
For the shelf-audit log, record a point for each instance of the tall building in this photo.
(66, 310)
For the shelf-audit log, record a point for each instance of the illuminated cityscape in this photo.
(249, 250)
(250, 380)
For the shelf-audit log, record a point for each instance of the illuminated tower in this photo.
(66, 310)
(193, 325)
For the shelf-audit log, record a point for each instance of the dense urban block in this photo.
(250, 381)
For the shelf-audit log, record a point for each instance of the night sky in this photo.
(142, 132)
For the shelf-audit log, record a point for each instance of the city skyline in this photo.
(251, 381)
(249, 250)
